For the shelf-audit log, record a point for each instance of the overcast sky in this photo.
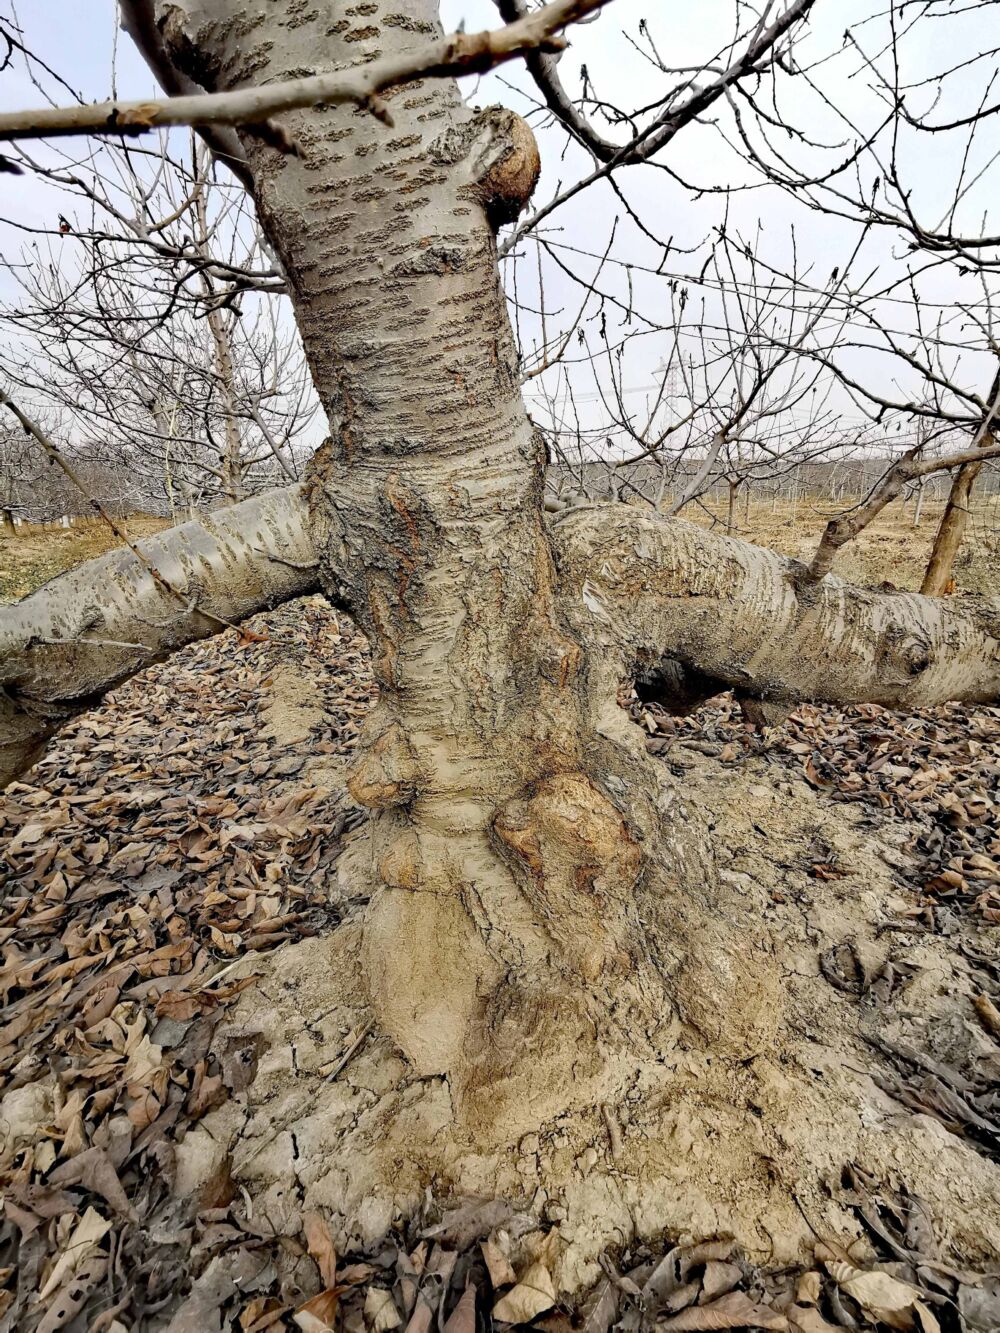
(79, 41)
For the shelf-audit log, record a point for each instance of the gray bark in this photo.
(430, 496)
(744, 616)
(539, 882)
(78, 636)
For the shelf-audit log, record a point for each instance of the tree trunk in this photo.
(918, 507)
(539, 886)
(232, 462)
(509, 836)
(955, 519)
(951, 532)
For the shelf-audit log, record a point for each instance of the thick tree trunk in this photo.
(745, 618)
(506, 851)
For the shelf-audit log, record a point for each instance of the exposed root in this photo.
(628, 1127)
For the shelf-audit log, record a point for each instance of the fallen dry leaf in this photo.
(69, 1300)
(320, 1245)
(318, 1315)
(463, 1318)
(888, 1300)
(736, 1310)
(598, 1310)
(81, 1245)
(380, 1310)
(497, 1263)
(533, 1294)
(807, 1319)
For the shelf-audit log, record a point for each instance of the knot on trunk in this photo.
(502, 156)
(387, 774)
(903, 655)
(580, 864)
(512, 167)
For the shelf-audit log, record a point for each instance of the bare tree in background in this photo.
(149, 316)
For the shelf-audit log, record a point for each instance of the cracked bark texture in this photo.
(747, 618)
(507, 853)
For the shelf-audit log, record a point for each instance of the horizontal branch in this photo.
(651, 587)
(64, 646)
(451, 56)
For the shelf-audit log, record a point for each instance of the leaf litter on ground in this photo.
(168, 837)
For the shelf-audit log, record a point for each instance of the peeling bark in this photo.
(81, 634)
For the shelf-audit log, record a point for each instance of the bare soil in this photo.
(35, 554)
(230, 1088)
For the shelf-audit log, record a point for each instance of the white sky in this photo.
(78, 39)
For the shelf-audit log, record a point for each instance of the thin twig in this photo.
(351, 1051)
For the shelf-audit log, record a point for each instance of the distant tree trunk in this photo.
(955, 519)
(6, 523)
(734, 487)
(919, 506)
(232, 452)
(951, 532)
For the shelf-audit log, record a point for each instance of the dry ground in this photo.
(178, 843)
(36, 554)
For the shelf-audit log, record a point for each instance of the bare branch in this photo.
(81, 634)
(451, 56)
(644, 586)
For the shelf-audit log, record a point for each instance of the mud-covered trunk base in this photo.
(629, 1129)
